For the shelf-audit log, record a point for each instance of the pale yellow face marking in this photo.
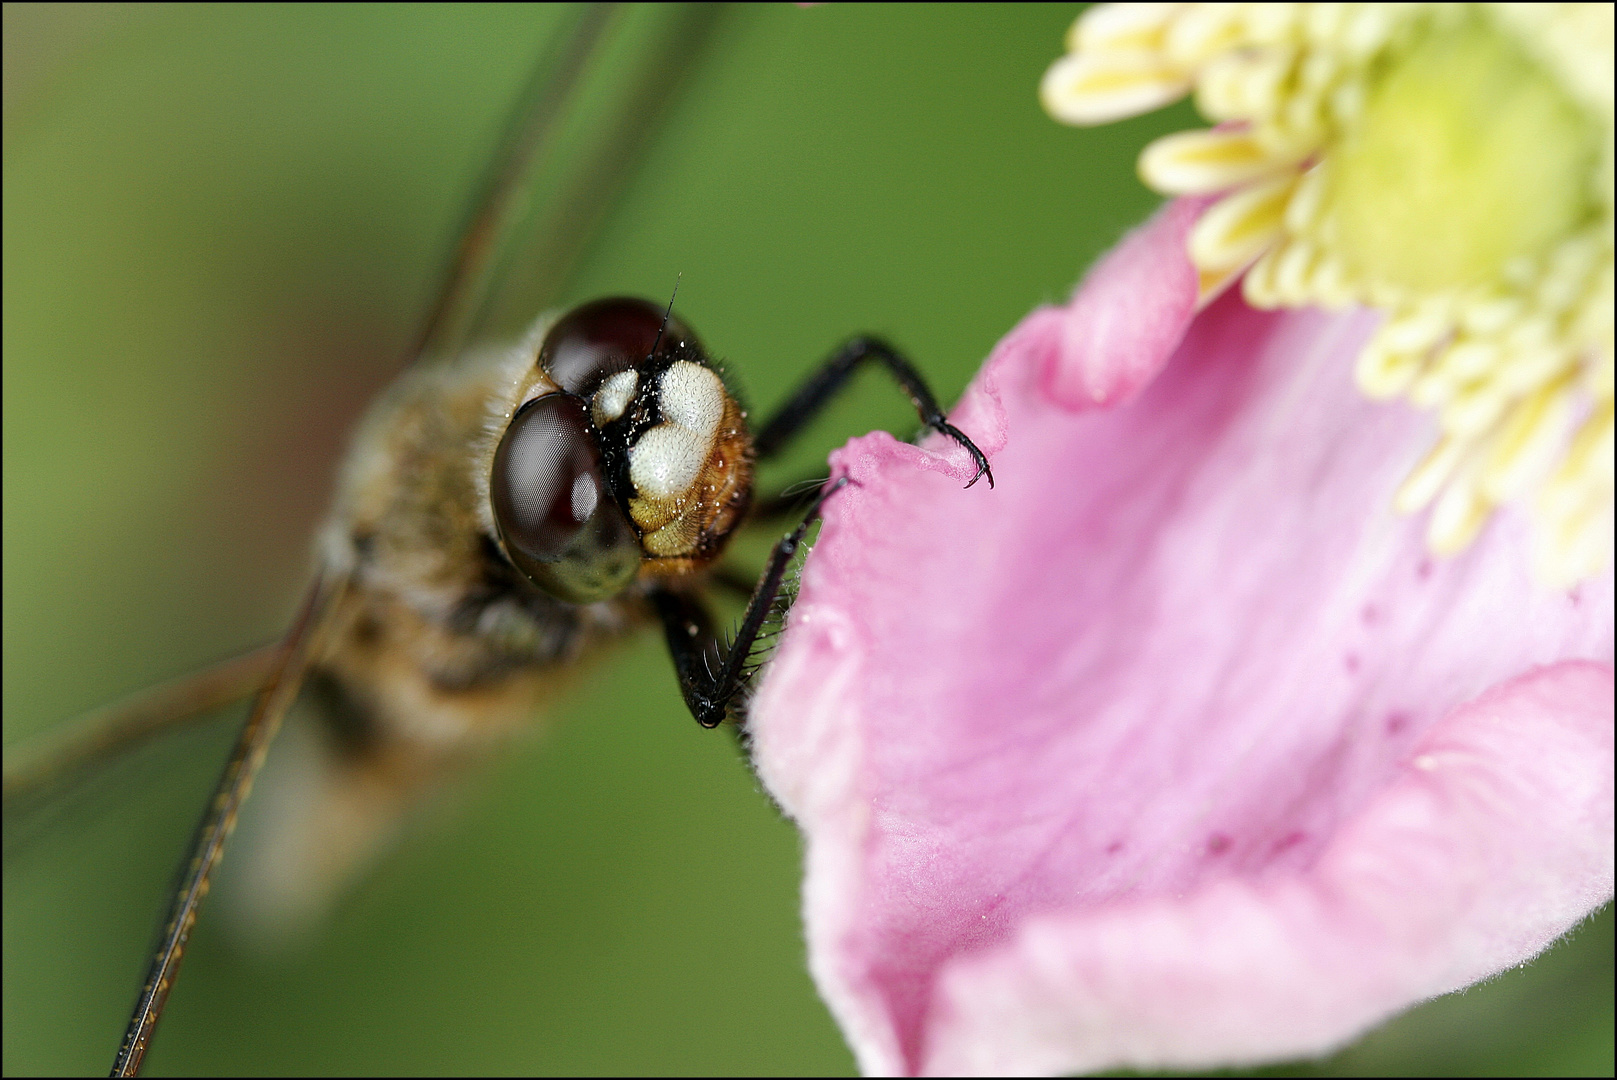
(613, 397)
(692, 397)
(666, 461)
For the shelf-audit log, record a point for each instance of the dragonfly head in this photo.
(634, 461)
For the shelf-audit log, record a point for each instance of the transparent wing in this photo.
(636, 82)
(534, 123)
(286, 672)
(75, 752)
(575, 137)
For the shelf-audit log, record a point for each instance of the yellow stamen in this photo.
(1081, 90)
(1449, 164)
(1192, 162)
(1421, 486)
(1458, 516)
(1238, 228)
(1527, 442)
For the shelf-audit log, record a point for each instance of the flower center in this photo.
(1466, 157)
(1449, 164)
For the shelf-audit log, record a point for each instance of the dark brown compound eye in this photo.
(603, 337)
(560, 524)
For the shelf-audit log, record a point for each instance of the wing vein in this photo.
(291, 660)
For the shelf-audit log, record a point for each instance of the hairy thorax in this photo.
(437, 640)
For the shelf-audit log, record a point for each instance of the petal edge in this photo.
(1495, 840)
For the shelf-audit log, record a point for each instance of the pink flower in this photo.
(1177, 748)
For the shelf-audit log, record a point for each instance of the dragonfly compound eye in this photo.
(599, 339)
(558, 521)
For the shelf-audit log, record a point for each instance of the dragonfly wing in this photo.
(292, 660)
(40, 771)
(534, 121)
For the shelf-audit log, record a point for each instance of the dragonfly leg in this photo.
(813, 395)
(712, 672)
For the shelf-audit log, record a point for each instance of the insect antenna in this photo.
(667, 314)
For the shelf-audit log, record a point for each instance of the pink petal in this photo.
(1131, 314)
(1117, 764)
(1485, 847)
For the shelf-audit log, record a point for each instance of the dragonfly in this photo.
(8, 620)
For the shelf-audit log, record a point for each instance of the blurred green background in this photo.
(221, 228)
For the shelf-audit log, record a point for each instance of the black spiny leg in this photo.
(711, 674)
(834, 373)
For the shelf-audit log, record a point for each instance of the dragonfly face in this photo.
(626, 455)
(225, 259)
